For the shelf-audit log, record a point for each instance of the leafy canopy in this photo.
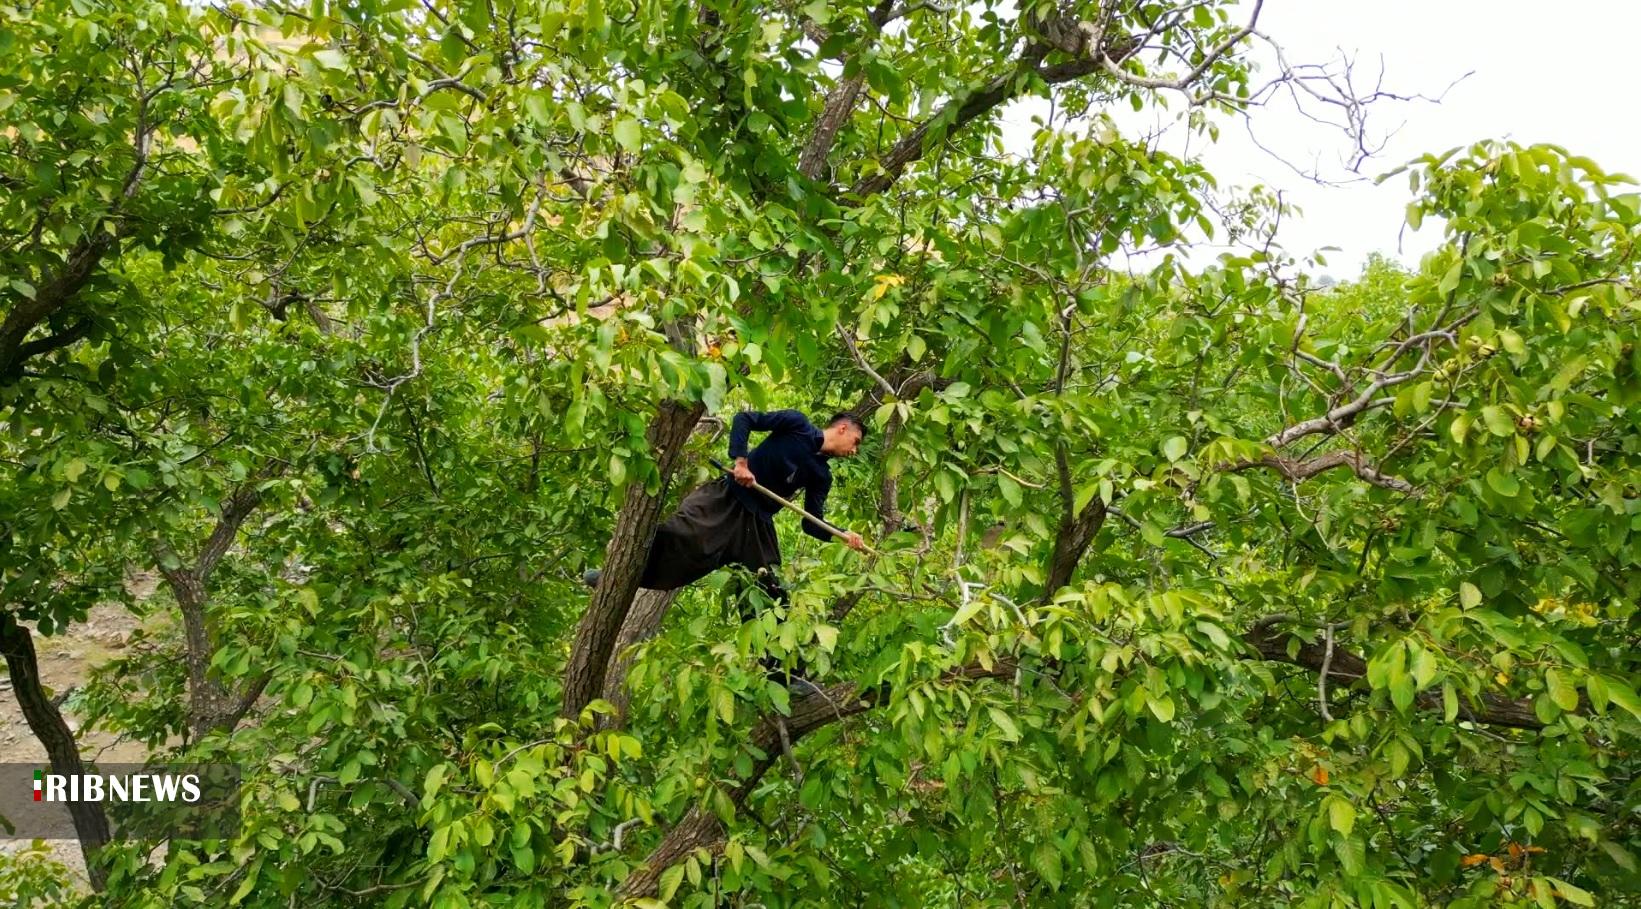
(359, 323)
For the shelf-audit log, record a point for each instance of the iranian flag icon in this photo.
(39, 781)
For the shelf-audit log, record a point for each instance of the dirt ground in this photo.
(66, 661)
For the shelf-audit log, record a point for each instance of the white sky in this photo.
(1558, 73)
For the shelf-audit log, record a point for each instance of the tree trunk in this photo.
(1076, 533)
(888, 499)
(840, 105)
(47, 723)
(624, 558)
(212, 706)
(642, 623)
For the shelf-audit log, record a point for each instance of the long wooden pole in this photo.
(786, 503)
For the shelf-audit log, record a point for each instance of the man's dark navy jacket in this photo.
(787, 460)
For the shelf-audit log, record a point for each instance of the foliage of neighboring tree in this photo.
(368, 325)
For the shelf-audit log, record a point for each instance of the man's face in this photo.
(843, 440)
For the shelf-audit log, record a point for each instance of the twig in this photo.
(1322, 680)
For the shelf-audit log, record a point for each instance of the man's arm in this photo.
(814, 502)
(773, 421)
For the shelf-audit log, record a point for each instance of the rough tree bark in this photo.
(642, 623)
(1077, 529)
(46, 721)
(624, 558)
(839, 106)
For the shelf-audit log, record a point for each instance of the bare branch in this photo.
(854, 351)
(1208, 60)
(1296, 470)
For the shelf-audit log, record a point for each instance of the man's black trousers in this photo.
(710, 530)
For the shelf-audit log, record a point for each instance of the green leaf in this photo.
(670, 880)
(524, 857)
(535, 105)
(435, 780)
(1620, 855)
(1011, 732)
(1572, 894)
(1624, 696)
(1397, 679)
(60, 500)
(1352, 854)
(966, 611)
(628, 134)
(1152, 534)
(1459, 428)
(1562, 691)
(1341, 814)
(1174, 448)
(724, 703)
(330, 58)
(1045, 859)
(74, 469)
(1596, 687)
(1162, 706)
(1009, 489)
(1469, 595)
(1503, 483)
(1450, 280)
(1424, 666)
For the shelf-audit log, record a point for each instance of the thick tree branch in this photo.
(235, 509)
(840, 105)
(1344, 667)
(46, 721)
(1076, 532)
(954, 115)
(624, 559)
(78, 266)
(960, 111)
(48, 298)
(57, 341)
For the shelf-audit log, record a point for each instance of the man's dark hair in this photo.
(847, 417)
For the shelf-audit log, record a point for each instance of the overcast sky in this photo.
(1560, 72)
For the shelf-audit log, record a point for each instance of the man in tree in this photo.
(724, 523)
